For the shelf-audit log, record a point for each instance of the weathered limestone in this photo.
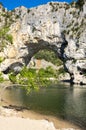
(44, 27)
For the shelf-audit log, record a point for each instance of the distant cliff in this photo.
(60, 27)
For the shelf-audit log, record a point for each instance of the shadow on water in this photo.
(64, 101)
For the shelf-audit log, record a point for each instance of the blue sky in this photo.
(11, 4)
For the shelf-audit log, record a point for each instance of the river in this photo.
(61, 100)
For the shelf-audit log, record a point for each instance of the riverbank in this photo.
(14, 123)
(11, 119)
(12, 109)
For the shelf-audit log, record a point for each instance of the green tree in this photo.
(80, 3)
(32, 78)
(5, 37)
(1, 77)
(1, 4)
(49, 56)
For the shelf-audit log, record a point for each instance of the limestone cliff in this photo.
(57, 26)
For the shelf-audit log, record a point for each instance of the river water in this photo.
(63, 101)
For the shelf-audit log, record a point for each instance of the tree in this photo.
(1, 4)
(80, 3)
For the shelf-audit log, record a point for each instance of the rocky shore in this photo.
(12, 120)
(14, 123)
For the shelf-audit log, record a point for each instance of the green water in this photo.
(63, 101)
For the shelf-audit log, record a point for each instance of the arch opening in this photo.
(44, 58)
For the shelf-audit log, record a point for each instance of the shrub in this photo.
(3, 31)
(33, 79)
(1, 78)
(1, 59)
(28, 11)
(49, 56)
(12, 77)
(17, 16)
(4, 34)
(79, 4)
(9, 38)
(61, 71)
(1, 4)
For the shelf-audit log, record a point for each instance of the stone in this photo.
(57, 26)
(12, 53)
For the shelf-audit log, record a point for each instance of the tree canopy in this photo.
(80, 3)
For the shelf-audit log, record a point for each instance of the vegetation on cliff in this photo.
(32, 31)
(80, 3)
(1, 77)
(49, 56)
(5, 37)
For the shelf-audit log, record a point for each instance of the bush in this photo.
(1, 59)
(9, 38)
(33, 79)
(1, 4)
(12, 77)
(5, 37)
(49, 56)
(61, 71)
(3, 31)
(80, 4)
(1, 78)
(28, 10)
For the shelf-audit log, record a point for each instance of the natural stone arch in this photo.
(59, 49)
(32, 33)
(45, 58)
(33, 48)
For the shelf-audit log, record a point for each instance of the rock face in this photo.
(56, 26)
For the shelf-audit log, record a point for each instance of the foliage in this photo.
(4, 31)
(5, 37)
(12, 77)
(9, 38)
(1, 4)
(17, 16)
(1, 78)
(28, 10)
(48, 56)
(61, 71)
(4, 34)
(1, 59)
(33, 79)
(79, 3)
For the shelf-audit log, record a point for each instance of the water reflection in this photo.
(76, 106)
(66, 102)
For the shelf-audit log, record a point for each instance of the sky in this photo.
(11, 4)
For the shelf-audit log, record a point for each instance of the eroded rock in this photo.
(56, 26)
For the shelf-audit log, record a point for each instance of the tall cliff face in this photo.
(57, 26)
